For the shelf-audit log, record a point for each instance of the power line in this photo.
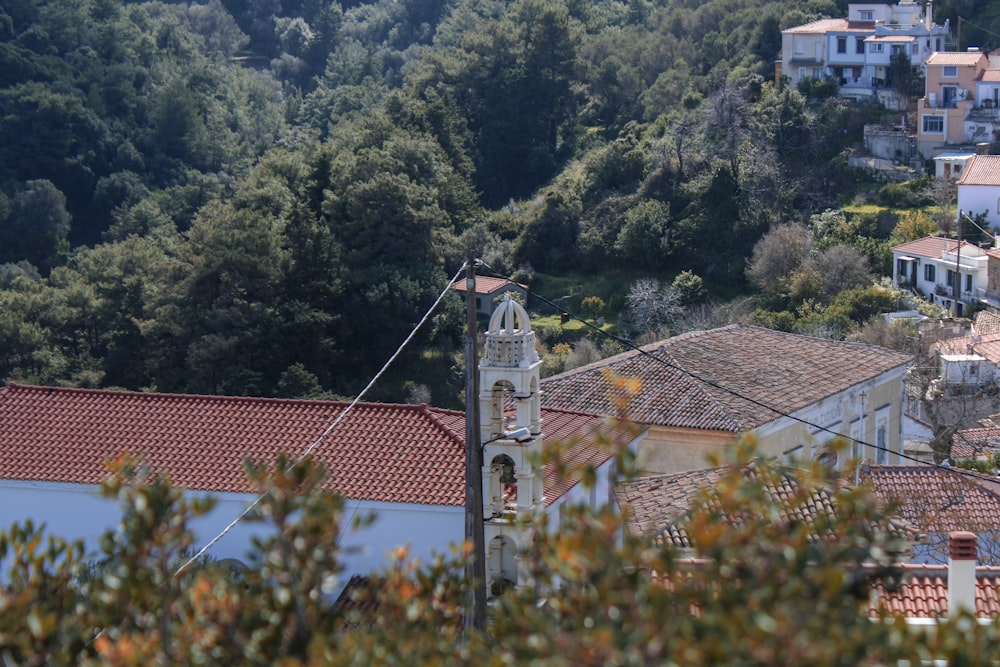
(633, 347)
(329, 429)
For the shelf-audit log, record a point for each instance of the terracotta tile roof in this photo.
(657, 505)
(891, 38)
(954, 58)
(989, 76)
(938, 500)
(982, 170)
(985, 345)
(923, 593)
(824, 26)
(486, 284)
(379, 452)
(930, 246)
(987, 322)
(690, 380)
(357, 602)
(972, 442)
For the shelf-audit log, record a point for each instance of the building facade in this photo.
(700, 392)
(856, 51)
(951, 274)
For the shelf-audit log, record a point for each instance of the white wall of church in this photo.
(78, 512)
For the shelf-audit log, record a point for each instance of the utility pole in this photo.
(958, 266)
(475, 564)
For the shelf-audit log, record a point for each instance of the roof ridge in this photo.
(173, 396)
(429, 412)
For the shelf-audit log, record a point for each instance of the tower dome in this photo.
(510, 342)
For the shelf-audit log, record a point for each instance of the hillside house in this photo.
(403, 463)
(856, 51)
(979, 188)
(951, 165)
(951, 274)
(488, 290)
(949, 97)
(699, 392)
(969, 363)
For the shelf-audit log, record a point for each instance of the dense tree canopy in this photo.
(309, 172)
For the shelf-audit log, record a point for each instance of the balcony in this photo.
(989, 298)
(984, 111)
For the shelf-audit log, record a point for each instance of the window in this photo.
(951, 279)
(929, 273)
(933, 124)
(998, 205)
(901, 268)
(859, 44)
(866, 15)
(876, 47)
(914, 49)
(949, 70)
(897, 49)
(841, 44)
(968, 282)
(799, 49)
(882, 444)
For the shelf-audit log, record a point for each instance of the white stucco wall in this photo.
(74, 511)
(979, 198)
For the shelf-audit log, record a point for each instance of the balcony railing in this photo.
(989, 298)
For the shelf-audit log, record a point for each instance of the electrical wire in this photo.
(329, 429)
(659, 360)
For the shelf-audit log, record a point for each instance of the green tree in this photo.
(777, 256)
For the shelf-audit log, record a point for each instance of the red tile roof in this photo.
(931, 246)
(658, 504)
(989, 76)
(486, 284)
(938, 500)
(955, 58)
(923, 593)
(379, 452)
(985, 345)
(891, 38)
(982, 170)
(722, 379)
(987, 322)
(824, 26)
(972, 442)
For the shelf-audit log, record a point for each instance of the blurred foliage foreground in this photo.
(758, 587)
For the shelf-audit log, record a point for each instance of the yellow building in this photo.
(700, 391)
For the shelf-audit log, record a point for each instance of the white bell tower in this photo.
(513, 483)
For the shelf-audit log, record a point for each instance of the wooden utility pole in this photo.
(475, 564)
(958, 266)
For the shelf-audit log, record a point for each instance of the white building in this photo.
(979, 188)
(951, 274)
(856, 51)
(403, 463)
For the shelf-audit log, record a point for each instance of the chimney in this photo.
(961, 572)
(929, 16)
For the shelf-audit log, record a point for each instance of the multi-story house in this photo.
(856, 50)
(949, 100)
(951, 274)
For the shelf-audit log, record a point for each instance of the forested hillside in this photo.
(263, 196)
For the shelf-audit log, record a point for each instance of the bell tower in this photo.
(513, 489)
